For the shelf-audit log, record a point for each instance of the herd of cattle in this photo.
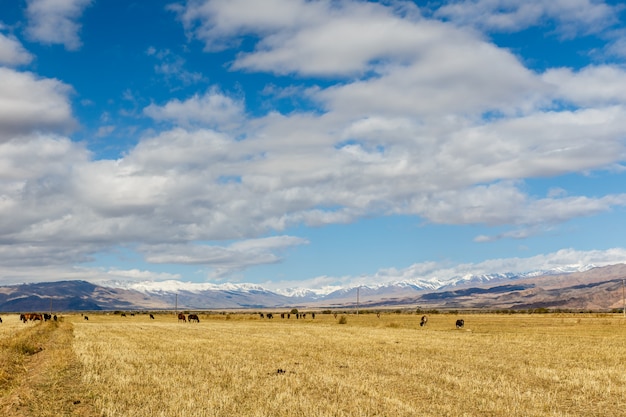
(36, 316)
(26, 317)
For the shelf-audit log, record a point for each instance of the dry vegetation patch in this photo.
(569, 365)
(39, 373)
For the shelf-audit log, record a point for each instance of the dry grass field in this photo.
(241, 365)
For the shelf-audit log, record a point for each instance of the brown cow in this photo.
(182, 317)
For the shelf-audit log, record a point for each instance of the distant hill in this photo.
(592, 289)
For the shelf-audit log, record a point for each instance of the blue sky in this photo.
(312, 144)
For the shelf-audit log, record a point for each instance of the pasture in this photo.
(242, 365)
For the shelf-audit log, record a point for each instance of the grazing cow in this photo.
(86, 317)
(193, 317)
(423, 321)
(35, 317)
(54, 318)
(23, 317)
(460, 323)
(270, 316)
(123, 314)
(182, 317)
(46, 316)
(261, 315)
(151, 317)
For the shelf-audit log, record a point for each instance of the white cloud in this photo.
(29, 103)
(223, 259)
(55, 21)
(12, 52)
(212, 109)
(434, 121)
(603, 85)
(571, 16)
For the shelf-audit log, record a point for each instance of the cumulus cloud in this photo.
(212, 109)
(429, 119)
(571, 17)
(12, 52)
(29, 103)
(55, 21)
(223, 259)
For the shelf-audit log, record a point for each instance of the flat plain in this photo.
(242, 365)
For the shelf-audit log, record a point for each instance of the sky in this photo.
(312, 144)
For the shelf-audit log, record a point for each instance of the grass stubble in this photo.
(40, 375)
(241, 365)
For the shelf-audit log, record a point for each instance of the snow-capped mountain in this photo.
(109, 295)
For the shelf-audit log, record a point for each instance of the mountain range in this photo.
(577, 288)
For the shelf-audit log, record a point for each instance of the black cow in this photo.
(460, 323)
(86, 318)
(423, 321)
(46, 316)
(270, 315)
(123, 314)
(261, 315)
(151, 317)
(54, 317)
(0, 319)
(193, 317)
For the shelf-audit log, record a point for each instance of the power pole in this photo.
(177, 304)
(623, 299)
(357, 300)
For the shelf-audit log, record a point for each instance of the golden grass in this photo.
(240, 365)
(39, 372)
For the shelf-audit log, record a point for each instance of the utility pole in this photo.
(623, 299)
(177, 304)
(357, 300)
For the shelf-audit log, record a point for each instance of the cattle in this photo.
(0, 319)
(282, 315)
(86, 317)
(261, 315)
(423, 321)
(151, 317)
(313, 315)
(123, 314)
(193, 317)
(270, 316)
(54, 318)
(182, 317)
(23, 317)
(36, 316)
(46, 316)
(378, 314)
(460, 323)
